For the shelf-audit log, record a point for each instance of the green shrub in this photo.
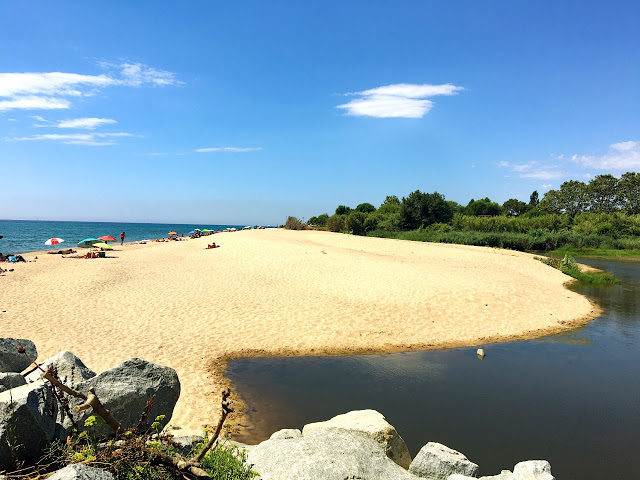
(293, 223)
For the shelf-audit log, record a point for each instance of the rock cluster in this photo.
(363, 445)
(30, 417)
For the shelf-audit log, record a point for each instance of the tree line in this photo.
(604, 194)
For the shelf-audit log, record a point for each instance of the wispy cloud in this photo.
(534, 170)
(53, 90)
(401, 100)
(620, 156)
(92, 139)
(228, 149)
(154, 154)
(87, 123)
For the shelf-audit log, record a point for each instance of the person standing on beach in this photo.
(122, 238)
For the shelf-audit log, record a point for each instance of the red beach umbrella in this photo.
(107, 238)
(53, 241)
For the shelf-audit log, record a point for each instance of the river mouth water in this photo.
(572, 399)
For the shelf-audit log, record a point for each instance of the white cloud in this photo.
(401, 100)
(51, 90)
(93, 138)
(154, 154)
(88, 123)
(621, 156)
(228, 149)
(33, 103)
(533, 170)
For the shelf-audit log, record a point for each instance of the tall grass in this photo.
(538, 240)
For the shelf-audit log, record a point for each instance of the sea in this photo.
(21, 236)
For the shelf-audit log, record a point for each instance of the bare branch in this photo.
(226, 410)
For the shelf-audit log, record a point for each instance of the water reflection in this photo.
(573, 399)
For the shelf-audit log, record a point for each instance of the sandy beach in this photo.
(277, 292)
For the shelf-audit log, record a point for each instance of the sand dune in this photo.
(270, 292)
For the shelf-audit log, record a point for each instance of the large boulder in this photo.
(329, 454)
(81, 472)
(437, 462)
(27, 422)
(533, 470)
(11, 360)
(70, 369)
(11, 380)
(374, 425)
(125, 389)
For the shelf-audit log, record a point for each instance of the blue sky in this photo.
(246, 112)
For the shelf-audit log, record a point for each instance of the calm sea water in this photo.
(22, 236)
(573, 399)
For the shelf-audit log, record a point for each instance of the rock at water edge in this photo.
(373, 424)
(436, 462)
(331, 454)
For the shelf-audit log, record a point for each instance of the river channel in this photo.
(572, 399)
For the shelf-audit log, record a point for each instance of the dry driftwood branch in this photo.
(181, 464)
(91, 401)
(226, 410)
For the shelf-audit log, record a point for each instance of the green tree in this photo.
(483, 206)
(365, 208)
(354, 222)
(319, 221)
(571, 199)
(514, 207)
(629, 192)
(534, 199)
(335, 223)
(423, 209)
(342, 210)
(603, 194)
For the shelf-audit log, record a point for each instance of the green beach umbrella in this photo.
(105, 246)
(88, 242)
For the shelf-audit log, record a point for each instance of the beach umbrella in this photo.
(107, 238)
(192, 232)
(103, 245)
(173, 233)
(53, 241)
(88, 242)
(197, 230)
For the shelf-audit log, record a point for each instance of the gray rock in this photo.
(286, 433)
(533, 470)
(125, 390)
(81, 472)
(26, 422)
(12, 380)
(373, 424)
(329, 454)
(186, 443)
(70, 368)
(437, 462)
(13, 361)
(3, 389)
